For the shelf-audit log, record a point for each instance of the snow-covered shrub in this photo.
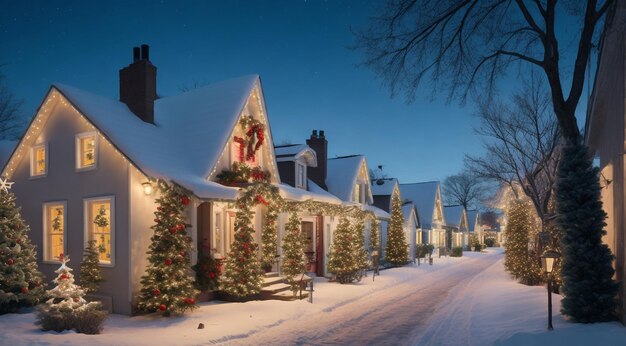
(490, 242)
(457, 251)
(89, 321)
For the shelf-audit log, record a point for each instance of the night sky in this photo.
(299, 48)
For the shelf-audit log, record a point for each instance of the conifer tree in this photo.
(341, 259)
(517, 259)
(397, 249)
(293, 252)
(167, 286)
(588, 288)
(243, 275)
(21, 283)
(90, 274)
(358, 231)
(375, 235)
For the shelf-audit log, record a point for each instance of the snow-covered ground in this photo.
(457, 301)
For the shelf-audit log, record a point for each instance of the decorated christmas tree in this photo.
(293, 252)
(517, 259)
(397, 249)
(90, 275)
(20, 280)
(342, 260)
(374, 235)
(358, 231)
(268, 237)
(589, 291)
(67, 309)
(243, 275)
(167, 286)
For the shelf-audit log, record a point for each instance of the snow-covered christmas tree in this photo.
(374, 236)
(342, 261)
(358, 231)
(90, 274)
(167, 286)
(21, 283)
(293, 252)
(397, 249)
(268, 236)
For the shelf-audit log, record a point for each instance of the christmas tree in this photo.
(90, 275)
(375, 235)
(342, 261)
(358, 230)
(517, 259)
(588, 287)
(293, 252)
(268, 237)
(167, 286)
(20, 280)
(66, 306)
(397, 249)
(243, 275)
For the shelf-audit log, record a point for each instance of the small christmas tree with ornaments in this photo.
(293, 253)
(21, 283)
(167, 286)
(90, 274)
(342, 260)
(397, 249)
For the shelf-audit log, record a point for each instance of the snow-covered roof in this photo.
(454, 215)
(314, 188)
(423, 195)
(342, 176)
(472, 217)
(384, 187)
(292, 152)
(190, 132)
(381, 214)
(408, 211)
(6, 149)
(295, 194)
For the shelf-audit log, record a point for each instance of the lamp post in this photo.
(548, 259)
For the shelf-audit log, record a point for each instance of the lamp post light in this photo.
(548, 259)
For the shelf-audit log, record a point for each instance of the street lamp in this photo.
(548, 259)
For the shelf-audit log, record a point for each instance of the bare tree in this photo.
(489, 218)
(11, 121)
(462, 189)
(522, 139)
(464, 44)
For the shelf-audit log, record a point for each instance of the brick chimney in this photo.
(138, 84)
(320, 145)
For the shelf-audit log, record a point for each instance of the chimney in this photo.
(138, 84)
(320, 145)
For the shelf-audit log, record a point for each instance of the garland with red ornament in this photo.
(167, 287)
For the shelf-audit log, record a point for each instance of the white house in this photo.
(456, 221)
(426, 197)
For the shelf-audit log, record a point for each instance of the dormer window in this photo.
(300, 175)
(358, 193)
(86, 150)
(39, 160)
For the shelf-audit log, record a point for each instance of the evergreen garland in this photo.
(397, 249)
(588, 287)
(21, 283)
(167, 286)
(269, 237)
(90, 275)
(294, 263)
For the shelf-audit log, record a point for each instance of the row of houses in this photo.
(86, 157)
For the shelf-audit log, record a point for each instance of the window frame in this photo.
(78, 152)
(46, 251)
(301, 168)
(87, 202)
(33, 157)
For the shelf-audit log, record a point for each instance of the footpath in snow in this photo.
(486, 309)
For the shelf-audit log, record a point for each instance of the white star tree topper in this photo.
(5, 185)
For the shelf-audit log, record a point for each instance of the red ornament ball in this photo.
(211, 275)
(10, 261)
(190, 301)
(184, 200)
(168, 261)
(64, 277)
(173, 230)
(24, 290)
(162, 307)
(156, 292)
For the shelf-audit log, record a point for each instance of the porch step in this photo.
(288, 296)
(271, 275)
(276, 288)
(272, 281)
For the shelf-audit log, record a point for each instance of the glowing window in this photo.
(86, 150)
(54, 230)
(99, 226)
(300, 175)
(38, 160)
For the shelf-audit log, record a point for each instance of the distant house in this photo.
(457, 224)
(473, 223)
(427, 200)
(605, 135)
(412, 230)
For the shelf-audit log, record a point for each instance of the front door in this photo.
(309, 245)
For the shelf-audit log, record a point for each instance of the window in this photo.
(39, 160)
(356, 193)
(100, 226)
(300, 175)
(86, 150)
(54, 230)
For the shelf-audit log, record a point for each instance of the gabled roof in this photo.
(342, 176)
(472, 219)
(408, 211)
(190, 133)
(454, 215)
(424, 196)
(292, 152)
(384, 187)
